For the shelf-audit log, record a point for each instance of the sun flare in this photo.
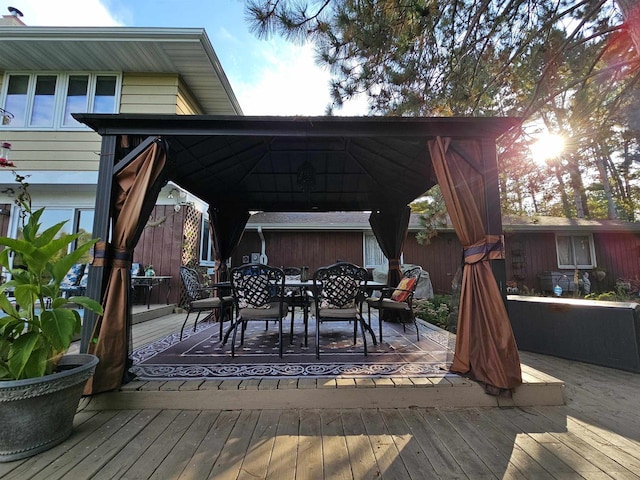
(547, 147)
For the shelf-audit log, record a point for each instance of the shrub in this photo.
(435, 311)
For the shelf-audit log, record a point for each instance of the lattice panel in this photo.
(190, 242)
(191, 237)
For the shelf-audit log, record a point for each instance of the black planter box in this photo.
(548, 280)
(602, 333)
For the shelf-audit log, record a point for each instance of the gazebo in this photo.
(242, 164)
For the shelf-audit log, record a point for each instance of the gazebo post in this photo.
(101, 221)
(494, 210)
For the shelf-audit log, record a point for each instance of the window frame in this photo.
(385, 264)
(209, 261)
(60, 98)
(572, 237)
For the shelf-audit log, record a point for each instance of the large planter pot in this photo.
(37, 413)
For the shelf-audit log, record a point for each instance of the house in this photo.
(533, 246)
(48, 73)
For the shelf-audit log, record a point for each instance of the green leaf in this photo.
(50, 234)
(20, 356)
(60, 268)
(4, 258)
(6, 306)
(5, 374)
(88, 303)
(25, 296)
(59, 326)
(38, 363)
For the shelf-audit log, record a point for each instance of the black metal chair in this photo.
(398, 300)
(199, 299)
(297, 297)
(338, 290)
(258, 293)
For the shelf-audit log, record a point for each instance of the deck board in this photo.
(596, 434)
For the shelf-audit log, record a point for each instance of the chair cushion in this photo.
(263, 312)
(74, 274)
(403, 289)
(351, 312)
(389, 304)
(213, 302)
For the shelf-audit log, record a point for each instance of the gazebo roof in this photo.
(300, 163)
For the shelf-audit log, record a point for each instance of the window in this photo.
(77, 221)
(575, 251)
(47, 101)
(207, 255)
(373, 256)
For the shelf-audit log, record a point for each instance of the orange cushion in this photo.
(403, 289)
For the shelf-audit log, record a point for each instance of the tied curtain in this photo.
(136, 188)
(226, 227)
(485, 346)
(390, 229)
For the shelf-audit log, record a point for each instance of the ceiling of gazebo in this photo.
(300, 163)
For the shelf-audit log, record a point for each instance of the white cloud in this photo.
(288, 83)
(78, 13)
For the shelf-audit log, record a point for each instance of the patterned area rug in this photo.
(201, 355)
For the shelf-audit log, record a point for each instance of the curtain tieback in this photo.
(491, 247)
(394, 262)
(106, 255)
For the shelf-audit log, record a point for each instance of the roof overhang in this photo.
(301, 163)
(183, 51)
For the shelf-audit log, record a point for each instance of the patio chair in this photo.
(258, 293)
(297, 297)
(70, 284)
(398, 300)
(339, 290)
(199, 299)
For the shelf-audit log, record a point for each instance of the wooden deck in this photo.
(595, 435)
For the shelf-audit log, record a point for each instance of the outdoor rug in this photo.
(201, 355)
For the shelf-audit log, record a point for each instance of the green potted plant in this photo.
(40, 386)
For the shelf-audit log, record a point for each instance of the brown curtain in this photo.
(485, 346)
(390, 229)
(226, 227)
(136, 191)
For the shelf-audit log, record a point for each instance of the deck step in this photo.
(143, 314)
(450, 391)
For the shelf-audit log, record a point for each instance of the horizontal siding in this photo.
(149, 93)
(187, 105)
(36, 150)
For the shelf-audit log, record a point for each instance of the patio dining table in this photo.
(147, 283)
(369, 288)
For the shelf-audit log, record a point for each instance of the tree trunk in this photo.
(600, 159)
(563, 192)
(631, 11)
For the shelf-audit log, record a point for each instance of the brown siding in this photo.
(4, 219)
(618, 253)
(312, 249)
(441, 258)
(161, 246)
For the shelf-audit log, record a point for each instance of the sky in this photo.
(269, 77)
